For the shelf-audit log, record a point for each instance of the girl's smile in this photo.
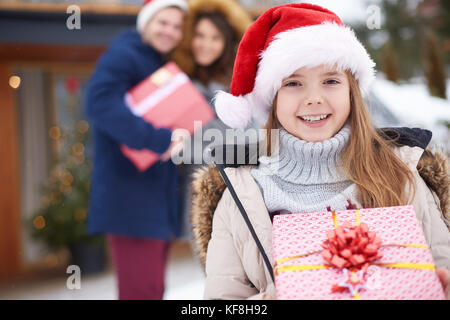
(315, 121)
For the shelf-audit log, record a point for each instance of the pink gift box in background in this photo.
(404, 272)
(167, 98)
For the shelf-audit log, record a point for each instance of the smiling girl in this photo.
(302, 72)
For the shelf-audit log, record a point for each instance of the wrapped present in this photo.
(167, 98)
(370, 254)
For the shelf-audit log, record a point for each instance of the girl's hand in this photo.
(444, 277)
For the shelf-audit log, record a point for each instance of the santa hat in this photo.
(150, 7)
(282, 40)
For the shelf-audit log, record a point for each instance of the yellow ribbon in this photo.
(402, 265)
(298, 267)
(294, 257)
(408, 265)
(358, 220)
(422, 246)
(334, 219)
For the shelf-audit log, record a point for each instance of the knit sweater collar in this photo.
(303, 162)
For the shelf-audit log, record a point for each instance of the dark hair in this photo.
(221, 70)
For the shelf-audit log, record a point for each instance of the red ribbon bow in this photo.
(352, 247)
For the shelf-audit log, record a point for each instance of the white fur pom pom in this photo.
(235, 112)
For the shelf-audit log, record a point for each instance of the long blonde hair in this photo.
(368, 160)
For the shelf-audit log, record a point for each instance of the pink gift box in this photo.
(167, 98)
(404, 272)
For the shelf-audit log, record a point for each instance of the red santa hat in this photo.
(150, 7)
(282, 40)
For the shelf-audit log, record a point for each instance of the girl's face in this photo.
(208, 43)
(313, 104)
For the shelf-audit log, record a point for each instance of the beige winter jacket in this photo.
(234, 266)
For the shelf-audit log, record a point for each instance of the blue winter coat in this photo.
(123, 200)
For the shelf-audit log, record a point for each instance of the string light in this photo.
(55, 133)
(39, 222)
(67, 179)
(14, 82)
(78, 149)
(83, 126)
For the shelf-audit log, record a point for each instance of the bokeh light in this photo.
(83, 126)
(39, 222)
(14, 82)
(78, 149)
(55, 133)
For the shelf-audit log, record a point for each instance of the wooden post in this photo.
(10, 243)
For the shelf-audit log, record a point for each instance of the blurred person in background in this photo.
(139, 211)
(213, 30)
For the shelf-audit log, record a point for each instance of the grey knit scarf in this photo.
(306, 176)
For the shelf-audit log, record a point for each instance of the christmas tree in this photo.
(61, 220)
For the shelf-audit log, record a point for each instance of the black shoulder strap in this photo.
(245, 216)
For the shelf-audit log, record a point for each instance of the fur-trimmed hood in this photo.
(208, 187)
(238, 18)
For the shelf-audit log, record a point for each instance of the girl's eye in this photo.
(292, 84)
(332, 81)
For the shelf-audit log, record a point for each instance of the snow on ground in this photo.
(184, 281)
